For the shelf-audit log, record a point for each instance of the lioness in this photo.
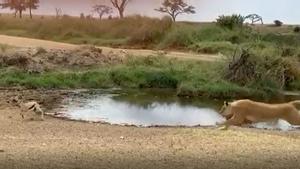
(248, 111)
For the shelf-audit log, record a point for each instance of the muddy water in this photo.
(147, 108)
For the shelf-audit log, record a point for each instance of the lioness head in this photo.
(225, 110)
(224, 107)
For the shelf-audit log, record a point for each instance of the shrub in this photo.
(40, 50)
(261, 71)
(146, 33)
(288, 51)
(278, 23)
(14, 60)
(230, 22)
(178, 37)
(297, 29)
(281, 39)
(160, 80)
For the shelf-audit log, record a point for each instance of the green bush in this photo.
(281, 39)
(230, 22)
(178, 37)
(297, 29)
(278, 23)
(159, 79)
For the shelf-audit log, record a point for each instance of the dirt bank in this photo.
(37, 60)
(50, 45)
(55, 143)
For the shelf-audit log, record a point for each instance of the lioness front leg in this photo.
(293, 118)
(236, 120)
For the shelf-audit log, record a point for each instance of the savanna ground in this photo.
(42, 74)
(56, 143)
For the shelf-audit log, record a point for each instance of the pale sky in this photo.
(207, 10)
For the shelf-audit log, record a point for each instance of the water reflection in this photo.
(149, 108)
(110, 109)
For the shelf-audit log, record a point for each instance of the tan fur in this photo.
(32, 106)
(247, 111)
(28, 106)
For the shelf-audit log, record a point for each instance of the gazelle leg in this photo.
(22, 115)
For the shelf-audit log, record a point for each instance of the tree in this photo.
(18, 5)
(58, 13)
(120, 5)
(8, 4)
(82, 16)
(102, 10)
(254, 18)
(175, 8)
(32, 4)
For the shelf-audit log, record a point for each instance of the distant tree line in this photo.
(170, 7)
(19, 6)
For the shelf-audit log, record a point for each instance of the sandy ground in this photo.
(33, 43)
(55, 143)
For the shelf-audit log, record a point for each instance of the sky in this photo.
(207, 10)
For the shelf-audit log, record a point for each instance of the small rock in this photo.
(122, 137)
(2, 151)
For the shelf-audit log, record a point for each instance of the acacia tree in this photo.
(175, 8)
(32, 4)
(8, 4)
(18, 5)
(58, 13)
(102, 10)
(120, 5)
(254, 18)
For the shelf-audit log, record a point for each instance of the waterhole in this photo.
(147, 108)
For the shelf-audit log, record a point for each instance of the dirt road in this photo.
(33, 43)
(55, 143)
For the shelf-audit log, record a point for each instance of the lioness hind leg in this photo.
(293, 118)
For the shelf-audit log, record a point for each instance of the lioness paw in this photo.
(223, 128)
